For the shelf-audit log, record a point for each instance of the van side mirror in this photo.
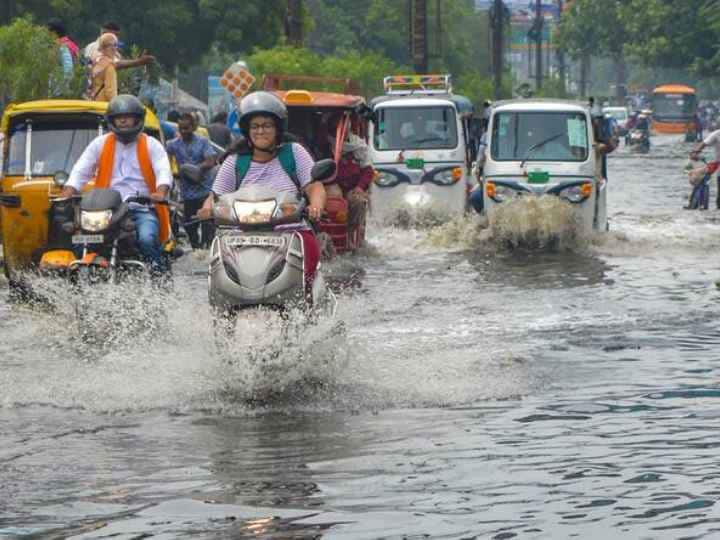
(323, 170)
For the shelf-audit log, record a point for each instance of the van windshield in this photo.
(539, 136)
(410, 128)
(53, 148)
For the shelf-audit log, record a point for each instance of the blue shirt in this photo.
(194, 152)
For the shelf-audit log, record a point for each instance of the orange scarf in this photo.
(104, 177)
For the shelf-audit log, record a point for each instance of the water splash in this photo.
(272, 358)
(404, 217)
(536, 222)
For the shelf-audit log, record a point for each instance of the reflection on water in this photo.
(545, 270)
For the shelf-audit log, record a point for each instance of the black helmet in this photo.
(125, 104)
(266, 104)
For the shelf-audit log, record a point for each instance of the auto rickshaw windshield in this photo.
(406, 128)
(54, 147)
(539, 136)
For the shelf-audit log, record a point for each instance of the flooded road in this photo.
(476, 392)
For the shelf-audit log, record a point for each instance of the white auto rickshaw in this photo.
(542, 147)
(422, 147)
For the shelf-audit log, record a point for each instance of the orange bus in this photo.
(674, 107)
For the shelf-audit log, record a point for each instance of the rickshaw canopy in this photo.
(65, 106)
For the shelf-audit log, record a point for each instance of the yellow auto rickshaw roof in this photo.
(65, 106)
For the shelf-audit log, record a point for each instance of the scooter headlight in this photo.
(287, 210)
(254, 213)
(577, 193)
(95, 221)
(386, 179)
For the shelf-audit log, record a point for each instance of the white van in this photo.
(421, 146)
(544, 147)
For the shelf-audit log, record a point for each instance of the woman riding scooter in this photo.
(267, 158)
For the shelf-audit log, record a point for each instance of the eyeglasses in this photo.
(262, 127)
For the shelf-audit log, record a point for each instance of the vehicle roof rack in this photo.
(417, 84)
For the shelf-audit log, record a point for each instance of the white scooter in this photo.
(257, 257)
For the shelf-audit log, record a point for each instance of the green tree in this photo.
(367, 69)
(30, 63)
(597, 28)
(674, 34)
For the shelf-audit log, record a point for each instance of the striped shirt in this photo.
(270, 174)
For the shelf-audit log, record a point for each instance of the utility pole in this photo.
(538, 45)
(560, 51)
(497, 23)
(418, 33)
(294, 22)
(439, 29)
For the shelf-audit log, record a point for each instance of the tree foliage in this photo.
(29, 63)
(368, 69)
(674, 34)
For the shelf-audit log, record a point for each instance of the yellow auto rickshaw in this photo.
(41, 140)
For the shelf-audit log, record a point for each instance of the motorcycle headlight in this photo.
(577, 193)
(254, 213)
(502, 193)
(95, 221)
(447, 177)
(386, 179)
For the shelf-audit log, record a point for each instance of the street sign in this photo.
(237, 80)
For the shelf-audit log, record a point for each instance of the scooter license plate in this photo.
(259, 241)
(88, 239)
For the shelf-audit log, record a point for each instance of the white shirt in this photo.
(127, 177)
(714, 140)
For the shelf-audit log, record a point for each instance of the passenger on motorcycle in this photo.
(267, 158)
(133, 164)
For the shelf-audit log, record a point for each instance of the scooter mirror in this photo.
(323, 170)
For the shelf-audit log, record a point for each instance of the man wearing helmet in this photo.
(266, 157)
(133, 164)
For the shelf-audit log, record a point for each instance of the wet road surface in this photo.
(475, 392)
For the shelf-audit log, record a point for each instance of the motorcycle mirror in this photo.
(323, 170)
(60, 178)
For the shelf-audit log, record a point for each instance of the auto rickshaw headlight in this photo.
(502, 193)
(95, 221)
(386, 179)
(447, 177)
(60, 178)
(577, 193)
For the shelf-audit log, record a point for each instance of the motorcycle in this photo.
(257, 257)
(639, 141)
(92, 241)
(98, 227)
(699, 178)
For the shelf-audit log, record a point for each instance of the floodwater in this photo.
(465, 390)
